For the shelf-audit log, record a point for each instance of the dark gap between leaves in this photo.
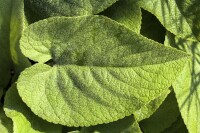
(151, 27)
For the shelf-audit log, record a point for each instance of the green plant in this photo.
(115, 66)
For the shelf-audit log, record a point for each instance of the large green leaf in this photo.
(126, 12)
(6, 125)
(166, 114)
(47, 8)
(125, 125)
(5, 59)
(23, 119)
(102, 71)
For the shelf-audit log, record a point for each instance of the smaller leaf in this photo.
(6, 125)
(187, 85)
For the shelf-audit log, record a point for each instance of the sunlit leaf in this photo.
(102, 71)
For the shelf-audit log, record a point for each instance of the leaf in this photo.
(171, 16)
(181, 19)
(23, 119)
(5, 123)
(47, 8)
(166, 114)
(5, 59)
(125, 125)
(12, 23)
(187, 86)
(17, 25)
(177, 127)
(147, 110)
(102, 72)
(126, 12)
(151, 27)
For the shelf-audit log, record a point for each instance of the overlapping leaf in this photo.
(181, 19)
(126, 12)
(47, 8)
(6, 125)
(187, 88)
(188, 93)
(171, 16)
(23, 119)
(17, 25)
(102, 72)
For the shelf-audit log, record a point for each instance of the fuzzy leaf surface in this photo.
(102, 72)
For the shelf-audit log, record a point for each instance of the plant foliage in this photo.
(90, 66)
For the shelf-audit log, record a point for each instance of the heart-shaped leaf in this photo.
(102, 71)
